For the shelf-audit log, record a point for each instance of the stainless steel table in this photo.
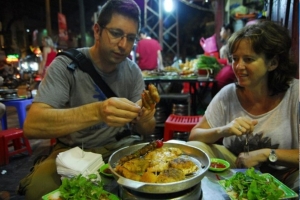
(198, 87)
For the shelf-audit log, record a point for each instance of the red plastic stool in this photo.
(179, 123)
(19, 142)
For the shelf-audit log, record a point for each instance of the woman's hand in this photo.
(253, 158)
(240, 126)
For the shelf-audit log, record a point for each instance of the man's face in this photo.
(116, 39)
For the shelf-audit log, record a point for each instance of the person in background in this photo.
(69, 106)
(49, 53)
(148, 52)
(259, 110)
(226, 32)
(2, 109)
(225, 76)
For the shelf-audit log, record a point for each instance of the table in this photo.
(198, 86)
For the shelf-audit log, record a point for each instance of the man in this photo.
(69, 106)
(148, 52)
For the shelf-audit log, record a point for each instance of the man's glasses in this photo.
(116, 35)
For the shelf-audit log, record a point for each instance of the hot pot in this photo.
(200, 158)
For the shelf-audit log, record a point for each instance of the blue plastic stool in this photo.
(21, 105)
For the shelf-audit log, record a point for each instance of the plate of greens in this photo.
(80, 187)
(253, 185)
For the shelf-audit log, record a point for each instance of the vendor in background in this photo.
(148, 52)
(225, 34)
(49, 53)
(225, 76)
(260, 110)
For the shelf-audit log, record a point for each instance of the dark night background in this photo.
(32, 14)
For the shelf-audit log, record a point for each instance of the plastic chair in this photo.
(21, 106)
(179, 123)
(19, 142)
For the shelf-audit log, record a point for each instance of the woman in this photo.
(260, 109)
(49, 53)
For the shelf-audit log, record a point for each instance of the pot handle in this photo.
(130, 183)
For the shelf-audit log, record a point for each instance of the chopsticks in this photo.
(246, 146)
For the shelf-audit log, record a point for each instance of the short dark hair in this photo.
(274, 41)
(144, 31)
(228, 27)
(128, 8)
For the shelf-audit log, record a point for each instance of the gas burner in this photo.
(192, 193)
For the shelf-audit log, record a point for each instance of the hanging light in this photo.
(168, 5)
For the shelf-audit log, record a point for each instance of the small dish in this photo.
(218, 165)
(104, 169)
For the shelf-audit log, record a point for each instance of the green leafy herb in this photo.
(80, 187)
(253, 186)
(208, 62)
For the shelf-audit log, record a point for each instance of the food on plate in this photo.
(127, 174)
(184, 164)
(137, 165)
(171, 69)
(80, 187)
(145, 149)
(217, 165)
(55, 196)
(170, 175)
(252, 185)
(160, 165)
(150, 97)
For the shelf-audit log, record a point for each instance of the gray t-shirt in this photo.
(277, 128)
(63, 88)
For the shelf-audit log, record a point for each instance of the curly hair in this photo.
(273, 41)
(128, 8)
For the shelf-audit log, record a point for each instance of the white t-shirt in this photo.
(276, 129)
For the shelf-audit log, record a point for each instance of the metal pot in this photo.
(200, 158)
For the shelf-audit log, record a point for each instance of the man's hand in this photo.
(118, 111)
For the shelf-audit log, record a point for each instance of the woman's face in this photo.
(251, 69)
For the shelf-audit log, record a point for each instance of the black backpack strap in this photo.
(84, 64)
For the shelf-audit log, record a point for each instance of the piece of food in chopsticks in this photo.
(144, 150)
(252, 185)
(150, 97)
(154, 93)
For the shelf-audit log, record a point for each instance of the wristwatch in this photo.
(272, 156)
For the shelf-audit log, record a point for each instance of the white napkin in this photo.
(76, 161)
